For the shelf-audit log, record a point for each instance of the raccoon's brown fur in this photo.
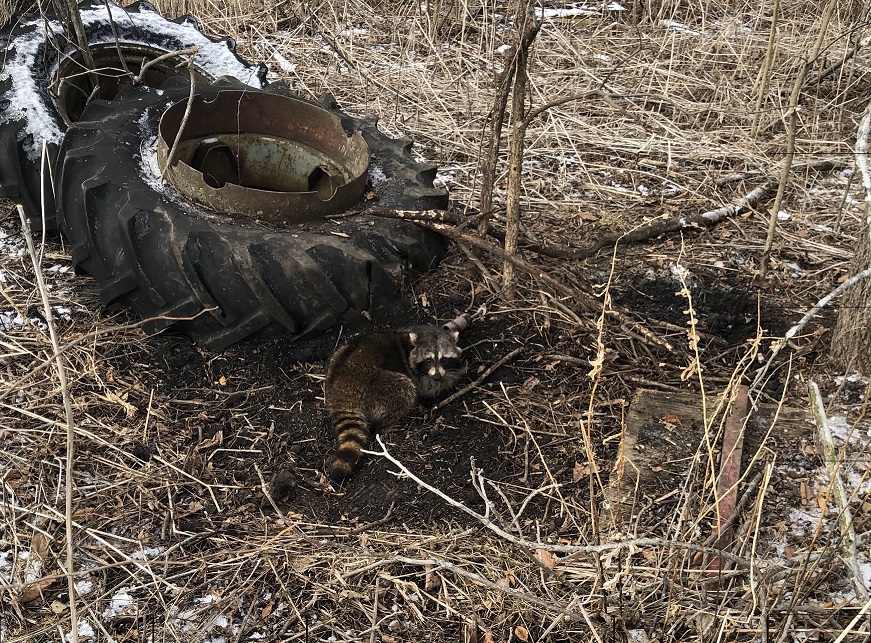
(375, 380)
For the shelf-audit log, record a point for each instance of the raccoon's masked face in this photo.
(436, 360)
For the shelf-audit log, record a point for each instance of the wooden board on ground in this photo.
(664, 453)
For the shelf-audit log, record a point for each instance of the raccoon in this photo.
(375, 380)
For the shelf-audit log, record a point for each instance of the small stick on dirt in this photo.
(833, 463)
(487, 373)
(264, 489)
(375, 523)
(68, 413)
(570, 550)
(374, 621)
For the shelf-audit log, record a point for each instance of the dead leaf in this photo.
(671, 421)
(121, 400)
(582, 470)
(303, 563)
(656, 468)
(822, 502)
(266, 611)
(32, 591)
(470, 632)
(57, 607)
(213, 441)
(82, 514)
(521, 633)
(529, 384)
(545, 558)
(222, 381)
(431, 580)
(39, 546)
(503, 583)
(487, 637)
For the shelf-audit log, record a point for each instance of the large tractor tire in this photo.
(221, 279)
(43, 87)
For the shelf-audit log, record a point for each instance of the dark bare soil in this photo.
(252, 417)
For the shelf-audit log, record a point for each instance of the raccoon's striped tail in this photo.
(352, 435)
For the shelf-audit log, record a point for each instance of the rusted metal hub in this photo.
(116, 65)
(265, 156)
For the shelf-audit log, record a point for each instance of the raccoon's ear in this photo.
(455, 335)
(412, 337)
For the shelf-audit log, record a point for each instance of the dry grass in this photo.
(672, 123)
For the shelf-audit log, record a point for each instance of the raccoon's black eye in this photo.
(430, 360)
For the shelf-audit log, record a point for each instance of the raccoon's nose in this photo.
(438, 373)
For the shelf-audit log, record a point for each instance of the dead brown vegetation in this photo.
(173, 512)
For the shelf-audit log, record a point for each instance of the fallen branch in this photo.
(571, 551)
(478, 381)
(777, 346)
(652, 229)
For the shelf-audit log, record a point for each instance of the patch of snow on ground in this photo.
(286, 66)
(85, 630)
(376, 174)
(803, 520)
(842, 430)
(121, 605)
(147, 553)
(84, 586)
(576, 9)
(679, 27)
(6, 565)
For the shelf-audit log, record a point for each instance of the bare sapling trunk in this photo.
(790, 121)
(526, 30)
